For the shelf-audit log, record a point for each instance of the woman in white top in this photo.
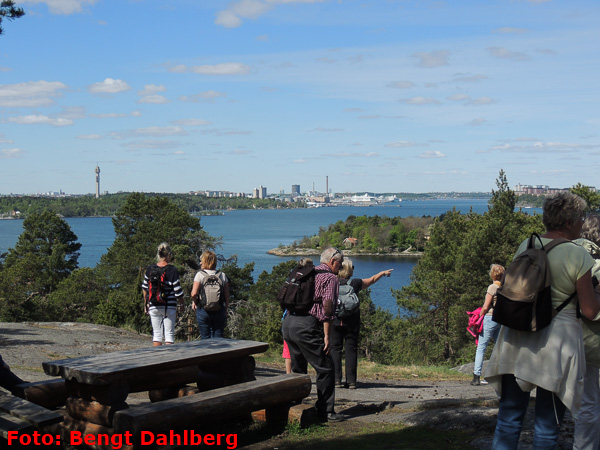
(211, 323)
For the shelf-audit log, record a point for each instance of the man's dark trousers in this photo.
(304, 337)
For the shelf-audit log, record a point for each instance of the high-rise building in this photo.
(97, 181)
(295, 189)
(262, 192)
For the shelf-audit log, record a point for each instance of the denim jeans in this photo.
(587, 428)
(211, 323)
(490, 331)
(549, 412)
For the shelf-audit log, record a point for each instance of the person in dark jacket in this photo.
(346, 330)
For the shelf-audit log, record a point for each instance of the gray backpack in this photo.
(211, 293)
(348, 302)
(524, 300)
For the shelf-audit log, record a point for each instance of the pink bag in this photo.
(475, 326)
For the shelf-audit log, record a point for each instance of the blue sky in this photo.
(381, 96)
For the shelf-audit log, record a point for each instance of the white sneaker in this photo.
(483, 382)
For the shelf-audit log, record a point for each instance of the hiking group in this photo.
(541, 311)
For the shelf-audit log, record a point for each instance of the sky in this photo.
(376, 95)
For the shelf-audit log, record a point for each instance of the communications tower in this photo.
(97, 181)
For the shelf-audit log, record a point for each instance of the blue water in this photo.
(250, 234)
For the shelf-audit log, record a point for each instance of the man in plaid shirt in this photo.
(307, 334)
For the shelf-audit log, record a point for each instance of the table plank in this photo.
(119, 366)
(27, 411)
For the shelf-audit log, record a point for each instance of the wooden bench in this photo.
(274, 393)
(50, 394)
(20, 415)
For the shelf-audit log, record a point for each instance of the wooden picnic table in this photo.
(117, 367)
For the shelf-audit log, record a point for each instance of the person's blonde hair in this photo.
(209, 260)
(305, 262)
(164, 252)
(347, 269)
(591, 228)
(562, 209)
(496, 272)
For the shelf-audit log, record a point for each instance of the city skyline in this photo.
(381, 96)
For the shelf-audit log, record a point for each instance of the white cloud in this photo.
(150, 131)
(214, 69)
(108, 116)
(206, 96)
(432, 59)
(3, 140)
(325, 130)
(89, 137)
(544, 147)
(300, 161)
(241, 152)
(403, 144)
(470, 78)
(477, 122)
(154, 99)
(419, 101)
(482, 101)
(511, 30)
(63, 6)
(109, 86)
(250, 9)
(192, 122)
(151, 89)
(10, 153)
(40, 119)
(152, 145)
(136, 113)
(503, 53)
(32, 94)
(458, 97)
(401, 84)
(432, 155)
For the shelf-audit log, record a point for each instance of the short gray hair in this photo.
(591, 228)
(331, 253)
(562, 209)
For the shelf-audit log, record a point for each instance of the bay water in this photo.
(249, 234)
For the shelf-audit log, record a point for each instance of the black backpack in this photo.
(156, 281)
(297, 295)
(524, 301)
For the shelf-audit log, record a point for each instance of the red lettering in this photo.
(12, 435)
(76, 438)
(25, 439)
(161, 439)
(147, 437)
(47, 439)
(209, 439)
(196, 439)
(128, 437)
(89, 439)
(174, 439)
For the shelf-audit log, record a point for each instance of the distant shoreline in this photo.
(287, 251)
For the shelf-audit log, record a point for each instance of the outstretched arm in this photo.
(375, 278)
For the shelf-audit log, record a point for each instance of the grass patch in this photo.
(358, 436)
(373, 371)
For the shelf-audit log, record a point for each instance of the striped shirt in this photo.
(171, 287)
(326, 290)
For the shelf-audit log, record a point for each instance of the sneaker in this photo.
(351, 385)
(335, 417)
(475, 381)
(483, 382)
(340, 385)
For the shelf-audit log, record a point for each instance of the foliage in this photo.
(107, 205)
(77, 298)
(373, 234)
(45, 254)
(590, 196)
(452, 276)
(9, 11)
(140, 226)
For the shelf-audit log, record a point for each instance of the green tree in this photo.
(140, 225)
(590, 196)
(9, 11)
(49, 238)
